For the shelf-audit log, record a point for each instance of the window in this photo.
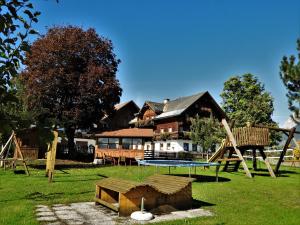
(103, 142)
(162, 130)
(180, 128)
(136, 142)
(168, 146)
(161, 146)
(186, 146)
(194, 147)
(126, 143)
(170, 129)
(111, 143)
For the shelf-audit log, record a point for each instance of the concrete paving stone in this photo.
(71, 216)
(41, 206)
(47, 218)
(63, 211)
(57, 205)
(62, 208)
(74, 222)
(200, 212)
(87, 213)
(55, 223)
(45, 213)
(43, 210)
(101, 222)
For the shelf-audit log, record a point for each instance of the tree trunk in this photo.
(70, 132)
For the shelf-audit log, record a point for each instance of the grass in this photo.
(236, 199)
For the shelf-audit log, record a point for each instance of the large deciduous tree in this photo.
(206, 132)
(245, 100)
(290, 75)
(70, 77)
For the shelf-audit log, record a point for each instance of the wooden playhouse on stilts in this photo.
(125, 196)
(253, 138)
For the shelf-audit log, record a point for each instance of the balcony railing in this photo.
(171, 135)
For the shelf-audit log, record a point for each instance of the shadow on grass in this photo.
(198, 204)
(19, 172)
(38, 196)
(203, 178)
(69, 166)
(78, 180)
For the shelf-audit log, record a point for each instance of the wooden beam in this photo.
(254, 159)
(288, 141)
(261, 151)
(18, 151)
(277, 128)
(51, 156)
(233, 141)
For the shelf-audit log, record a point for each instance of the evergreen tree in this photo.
(290, 75)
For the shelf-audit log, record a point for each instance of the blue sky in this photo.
(175, 48)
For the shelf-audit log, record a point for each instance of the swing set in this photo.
(249, 138)
(13, 145)
(17, 154)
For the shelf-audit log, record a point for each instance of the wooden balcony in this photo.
(116, 153)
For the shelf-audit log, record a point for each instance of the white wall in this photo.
(89, 141)
(175, 145)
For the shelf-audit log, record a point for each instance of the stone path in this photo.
(87, 213)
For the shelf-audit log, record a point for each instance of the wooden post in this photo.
(288, 141)
(254, 160)
(233, 141)
(238, 163)
(227, 162)
(51, 155)
(261, 151)
(19, 152)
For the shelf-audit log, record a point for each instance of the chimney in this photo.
(165, 104)
(166, 100)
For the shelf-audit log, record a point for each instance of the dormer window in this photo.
(162, 130)
(170, 129)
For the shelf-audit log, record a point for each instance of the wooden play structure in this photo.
(125, 196)
(251, 137)
(17, 154)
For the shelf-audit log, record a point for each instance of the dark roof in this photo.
(121, 105)
(179, 105)
(155, 106)
(182, 102)
(130, 132)
(162, 183)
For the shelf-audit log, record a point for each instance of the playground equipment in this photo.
(179, 163)
(251, 137)
(125, 197)
(17, 155)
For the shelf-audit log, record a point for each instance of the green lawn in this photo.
(236, 199)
